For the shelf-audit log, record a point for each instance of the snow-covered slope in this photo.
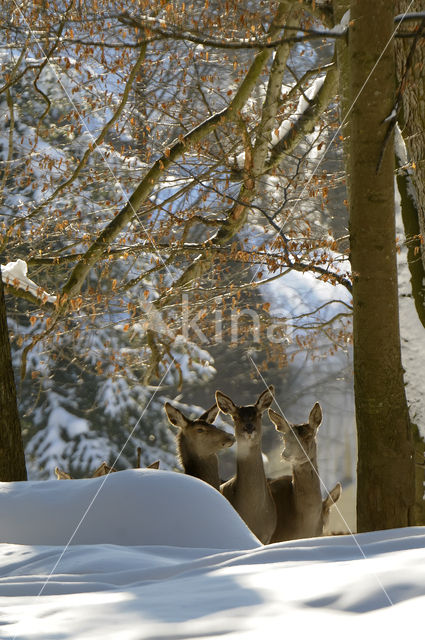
(171, 586)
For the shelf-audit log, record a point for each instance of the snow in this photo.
(15, 273)
(173, 561)
(133, 507)
(303, 104)
(342, 26)
(299, 293)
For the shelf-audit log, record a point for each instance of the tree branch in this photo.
(81, 270)
(166, 30)
(17, 292)
(307, 119)
(100, 138)
(9, 158)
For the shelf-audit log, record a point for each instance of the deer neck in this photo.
(249, 467)
(251, 496)
(306, 485)
(204, 468)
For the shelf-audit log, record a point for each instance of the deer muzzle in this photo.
(249, 428)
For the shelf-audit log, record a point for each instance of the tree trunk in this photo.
(412, 116)
(409, 215)
(12, 459)
(411, 78)
(385, 471)
(340, 7)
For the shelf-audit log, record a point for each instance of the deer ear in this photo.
(210, 414)
(333, 496)
(175, 416)
(279, 421)
(224, 403)
(335, 493)
(62, 475)
(265, 399)
(315, 417)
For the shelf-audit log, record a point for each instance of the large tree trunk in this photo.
(385, 472)
(411, 79)
(12, 459)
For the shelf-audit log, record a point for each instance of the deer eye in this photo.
(200, 430)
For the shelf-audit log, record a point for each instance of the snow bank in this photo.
(324, 588)
(134, 507)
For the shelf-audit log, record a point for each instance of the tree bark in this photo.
(385, 471)
(412, 115)
(411, 80)
(340, 7)
(12, 459)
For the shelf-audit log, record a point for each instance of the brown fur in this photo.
(298, 497)
(198, 442)
(248, 491)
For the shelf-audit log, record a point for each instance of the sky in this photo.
(157, 555)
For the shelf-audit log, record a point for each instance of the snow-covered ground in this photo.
(160, 555)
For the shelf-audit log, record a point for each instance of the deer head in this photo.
(247, 420)
(203, 438)
(299, 439)
(328, 502)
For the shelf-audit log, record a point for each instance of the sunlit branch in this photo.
(271, 101)
(18, 292)
(123, 217)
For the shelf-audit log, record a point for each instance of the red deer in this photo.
(198, 442)
(248, 491)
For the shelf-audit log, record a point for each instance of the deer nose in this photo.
(249, 427)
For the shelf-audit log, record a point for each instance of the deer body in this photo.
(248, 491)
(298, 497)
(198, 443)
(204, 467)
(298, 501)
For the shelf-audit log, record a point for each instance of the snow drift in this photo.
(134, 507)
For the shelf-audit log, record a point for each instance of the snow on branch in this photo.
(304, 120)
(14, 274)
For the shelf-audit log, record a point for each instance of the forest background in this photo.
(174, 178)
